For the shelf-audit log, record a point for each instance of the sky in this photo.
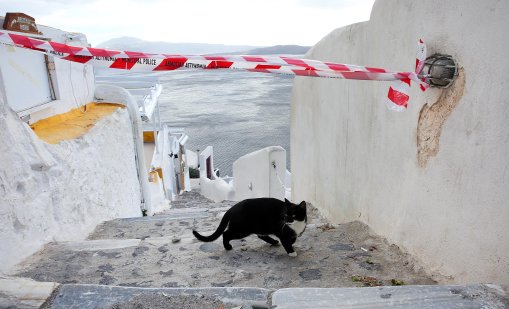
(232, 22)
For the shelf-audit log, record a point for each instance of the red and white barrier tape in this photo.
(139, 61)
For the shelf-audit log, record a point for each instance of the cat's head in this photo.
(296, 212)
(296, 217)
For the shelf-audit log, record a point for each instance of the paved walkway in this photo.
(160, 254)
(160, 251)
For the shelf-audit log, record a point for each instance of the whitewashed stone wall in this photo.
(434, 179)
(61, 192)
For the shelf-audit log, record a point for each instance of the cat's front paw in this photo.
(293, 254)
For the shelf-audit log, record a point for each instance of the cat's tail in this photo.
(220, 229)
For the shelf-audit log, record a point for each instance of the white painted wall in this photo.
(73, 83)
(18, 67)
(216, 189)
(61, 192)
(356, 160)
(74, 87)
(254, 175)
(168, 164)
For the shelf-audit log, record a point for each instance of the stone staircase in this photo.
(155, 260)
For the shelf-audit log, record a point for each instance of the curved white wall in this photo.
(61, 192)
(356, 160)
(254, 174)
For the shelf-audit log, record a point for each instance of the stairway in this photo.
(130, 257)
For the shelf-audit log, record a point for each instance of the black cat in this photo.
(263, 217)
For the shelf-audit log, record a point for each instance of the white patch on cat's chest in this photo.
(298, 226)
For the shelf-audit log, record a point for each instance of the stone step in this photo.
(191, 199)
(112, 244)
(27, 293)
(24, 292)
(173, 222)
(344, 256)
(420, 296)
(161, 252)
(96, 296)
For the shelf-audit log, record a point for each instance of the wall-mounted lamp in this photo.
(439, 70)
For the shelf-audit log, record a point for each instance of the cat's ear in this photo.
(302, 204)
(287, 201)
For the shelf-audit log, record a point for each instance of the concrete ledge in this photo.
(73, 124)
(177, 216)
(99, 244)
(101, 296)
(419, 296)
(24, 293)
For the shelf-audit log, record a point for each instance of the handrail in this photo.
(115, 94)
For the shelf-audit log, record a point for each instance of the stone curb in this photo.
(27, 293)
(418, 296)
(102, 296)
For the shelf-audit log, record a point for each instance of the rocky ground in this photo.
(160, 251)
(160, 301)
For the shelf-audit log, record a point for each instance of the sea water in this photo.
(235, 112)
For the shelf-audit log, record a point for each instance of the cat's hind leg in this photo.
(269, 239)
(230, 235)
(226, 240)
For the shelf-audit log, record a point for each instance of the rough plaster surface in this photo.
(432, 119)
(356, 160)
(62, 191)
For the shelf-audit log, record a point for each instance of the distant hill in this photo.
(279, 50)
(135, 44)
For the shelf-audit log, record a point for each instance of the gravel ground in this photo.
(159, 301)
